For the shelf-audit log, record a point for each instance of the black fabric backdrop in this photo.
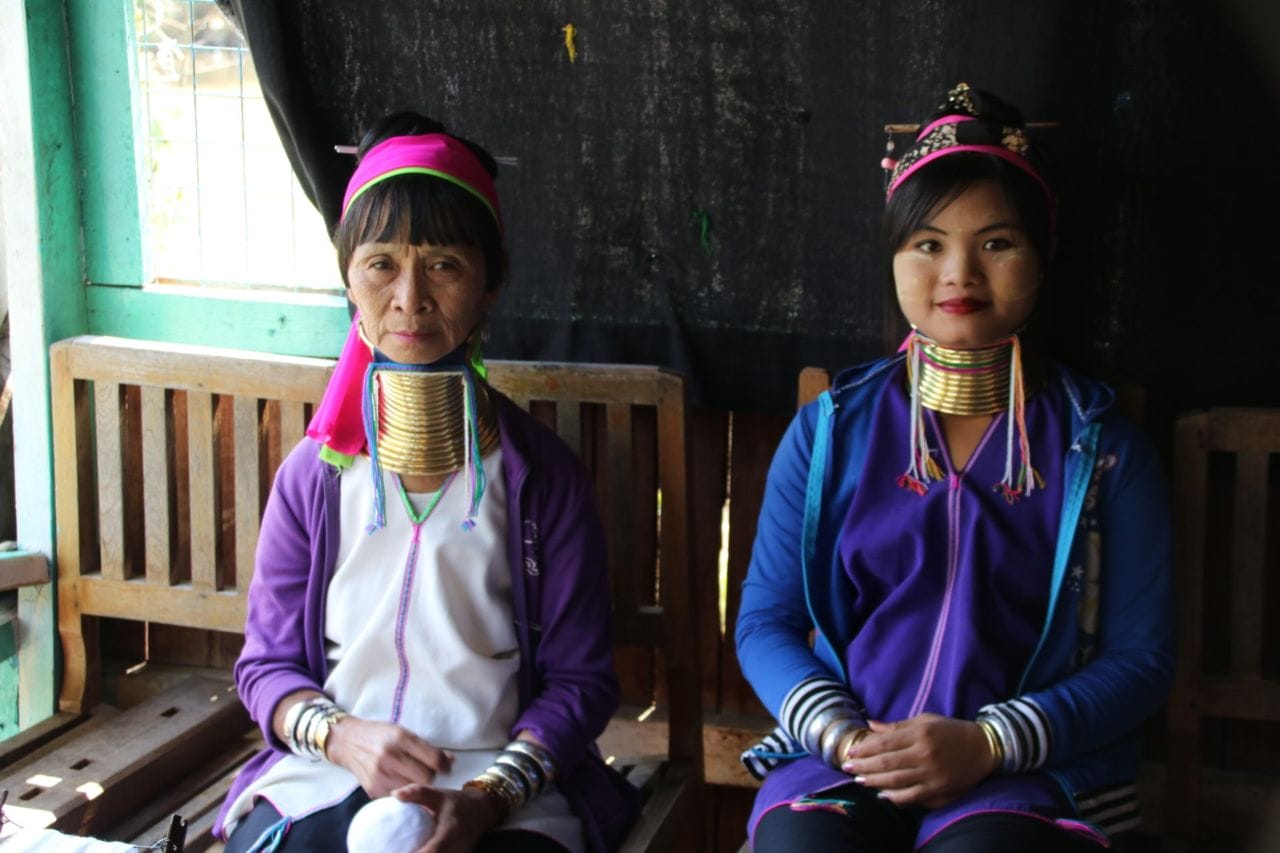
(766, 117)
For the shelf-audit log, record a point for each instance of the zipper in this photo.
(953, 556)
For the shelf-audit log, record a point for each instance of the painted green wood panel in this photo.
(107, 122)
(45, 277)
(313, 325)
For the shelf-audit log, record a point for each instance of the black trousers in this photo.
(326, 831)
(874, 825)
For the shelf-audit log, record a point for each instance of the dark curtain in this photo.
(701, 188)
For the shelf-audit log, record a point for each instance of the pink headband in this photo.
(435, 154)
(938, 139)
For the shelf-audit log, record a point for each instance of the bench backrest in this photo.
(164, 455)
(1227, 499)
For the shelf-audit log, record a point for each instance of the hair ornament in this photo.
(968, 120)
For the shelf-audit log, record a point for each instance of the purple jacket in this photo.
(560, 590)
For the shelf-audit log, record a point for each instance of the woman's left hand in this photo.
(924, 761)
(461, 816)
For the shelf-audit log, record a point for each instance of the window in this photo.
(220, 204)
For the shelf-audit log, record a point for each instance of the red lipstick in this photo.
(962, 306)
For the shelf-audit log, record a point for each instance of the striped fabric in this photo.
(773, 749)
(802, 710)
(810, 700)
(1112, 810)
(1024, 733)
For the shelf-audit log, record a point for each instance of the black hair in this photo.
(420, 208)
(941, 182)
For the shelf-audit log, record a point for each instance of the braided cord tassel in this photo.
(921, 469)
(476, 480)
(369, 409)
(1024, 482)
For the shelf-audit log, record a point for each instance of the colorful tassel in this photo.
(474, 464)
(1019, 480)
(369, 408)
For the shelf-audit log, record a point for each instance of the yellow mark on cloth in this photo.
(569, 32)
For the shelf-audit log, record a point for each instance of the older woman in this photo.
(977, 542)
(429, 615)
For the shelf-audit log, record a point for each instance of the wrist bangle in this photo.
(490, 787)
(831, 739)
(525, 767)
(993, 740)
(307, 724)
(820, 722)
(538, 754)
(849, 741)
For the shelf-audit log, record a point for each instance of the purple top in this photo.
(560, 601)
(951, 589)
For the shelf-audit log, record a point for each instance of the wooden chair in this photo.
(164, 455)
(1225, 486)
(608, 414)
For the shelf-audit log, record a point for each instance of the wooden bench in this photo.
(164, 455)
(1227, 496)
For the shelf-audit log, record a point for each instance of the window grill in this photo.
(222, 206)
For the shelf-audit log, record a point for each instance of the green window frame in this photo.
(119, 302)
(73, 255)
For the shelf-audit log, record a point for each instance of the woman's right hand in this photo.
(384, 756)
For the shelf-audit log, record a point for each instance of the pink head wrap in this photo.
(436, 154)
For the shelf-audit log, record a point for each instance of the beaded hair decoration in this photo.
(962, 124)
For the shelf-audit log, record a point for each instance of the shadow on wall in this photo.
(8, 512)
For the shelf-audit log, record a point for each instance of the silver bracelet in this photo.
(539, 754)
(831, 737)
(513, 778)
(526, 767)
(819, 723)
(307, 725)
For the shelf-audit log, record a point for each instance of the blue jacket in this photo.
(1104, 660)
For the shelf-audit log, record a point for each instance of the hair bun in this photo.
(965, 100)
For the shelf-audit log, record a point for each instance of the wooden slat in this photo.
(72, 461)
(724, 737)
(21, 568)
(112, 770)
(106, 403)
(1243, 430)
(292, 425)
(586, 383)
(173, 605)
(755, 437)
(709, 436)
(1241, 699)
(813, 381)
(202, 491)
(1248, 549)
(682, 657)
(671, 817)
(618, 512)
(569, 424)
(1191, 484)
(210, 370)
(197, 797)
(18, 746)
(248, 509)
(155, 483)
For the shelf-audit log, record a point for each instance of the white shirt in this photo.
(419, 631)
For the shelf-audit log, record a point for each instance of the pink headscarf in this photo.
(435, 154)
